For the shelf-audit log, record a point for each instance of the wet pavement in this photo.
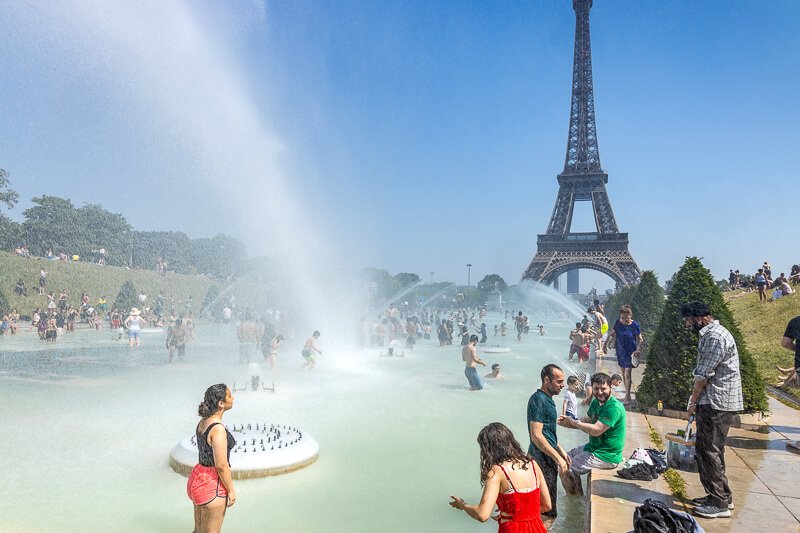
(762, 472)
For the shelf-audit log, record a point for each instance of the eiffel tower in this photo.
(560, 250)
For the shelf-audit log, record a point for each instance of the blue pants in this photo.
(474, 379)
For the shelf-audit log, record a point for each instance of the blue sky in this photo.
(412, 136)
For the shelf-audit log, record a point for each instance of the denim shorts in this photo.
(473, 378)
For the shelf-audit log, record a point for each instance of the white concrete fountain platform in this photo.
(493, 348)
(261, 450)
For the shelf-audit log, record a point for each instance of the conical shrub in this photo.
(673, 350)
(127, 297)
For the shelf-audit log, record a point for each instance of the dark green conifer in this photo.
(126, 298)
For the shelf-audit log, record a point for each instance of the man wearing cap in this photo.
(716, 396)
(470, 356)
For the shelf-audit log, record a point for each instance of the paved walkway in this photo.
(762, 472)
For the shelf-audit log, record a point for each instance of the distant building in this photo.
(494, 300)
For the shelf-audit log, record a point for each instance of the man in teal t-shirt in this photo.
(605, 425)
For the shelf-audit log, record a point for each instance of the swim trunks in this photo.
(308, 354)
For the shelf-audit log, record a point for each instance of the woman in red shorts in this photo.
(511, 480)
(210, 486)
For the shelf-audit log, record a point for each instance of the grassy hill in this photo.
(106, 281)
(762, 325)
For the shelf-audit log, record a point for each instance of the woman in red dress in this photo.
(511, 480)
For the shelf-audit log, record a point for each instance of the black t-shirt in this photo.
(793, 332)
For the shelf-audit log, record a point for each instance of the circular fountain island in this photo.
(261, 450)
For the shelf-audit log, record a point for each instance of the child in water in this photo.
(570, 407)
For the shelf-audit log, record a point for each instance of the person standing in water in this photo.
(511, 480)
(470, 356)
(134, 326)
(273, 352)
(519, 322)
(210, 485)
(176, 339)
(308, 351)
(249, 333)
(543, 444)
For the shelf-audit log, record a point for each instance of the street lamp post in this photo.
(469, 270)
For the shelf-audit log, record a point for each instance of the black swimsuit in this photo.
(205, 453)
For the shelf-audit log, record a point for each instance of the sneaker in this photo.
(706, 500)
(709, 511)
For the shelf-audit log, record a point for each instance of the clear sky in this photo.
(412, 136)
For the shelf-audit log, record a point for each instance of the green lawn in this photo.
(762, 325)
(106, 281)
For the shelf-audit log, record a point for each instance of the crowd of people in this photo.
(763, 281)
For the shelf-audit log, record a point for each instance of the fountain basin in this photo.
(493, 348)
(262, 449)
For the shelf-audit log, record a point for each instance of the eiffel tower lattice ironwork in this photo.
(560, 250)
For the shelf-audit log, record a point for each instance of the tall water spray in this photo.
(174, 84)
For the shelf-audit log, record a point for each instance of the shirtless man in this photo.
(519, 322)
(249, 333)
(176, 339)
(576, 338)
(601, 329)
(308, 351)
(470, 356)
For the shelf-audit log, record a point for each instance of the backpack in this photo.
(655, 517)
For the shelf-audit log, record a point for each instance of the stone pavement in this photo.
(761, 470)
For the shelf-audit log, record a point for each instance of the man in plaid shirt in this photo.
(716, 396)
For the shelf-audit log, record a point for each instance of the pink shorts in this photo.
(204, 485)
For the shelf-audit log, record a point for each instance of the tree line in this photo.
(55, 225)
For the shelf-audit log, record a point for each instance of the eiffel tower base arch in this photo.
(619, 265)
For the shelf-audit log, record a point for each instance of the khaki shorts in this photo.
(584, 462)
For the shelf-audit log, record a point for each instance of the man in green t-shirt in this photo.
(605, 425)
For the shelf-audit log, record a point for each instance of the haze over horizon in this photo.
(409, 136)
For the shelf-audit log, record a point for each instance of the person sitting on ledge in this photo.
(605, 425)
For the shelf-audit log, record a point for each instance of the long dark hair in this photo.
(214, 395)
(497, 446)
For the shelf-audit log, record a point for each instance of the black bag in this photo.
(655, 517)
(659, 459)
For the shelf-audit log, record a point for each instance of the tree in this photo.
(8, 196)
(127, 297)
(10, 233)
(406, 279)
(53, 224)
(648, 301)
(491, 282)
(103, 229)
(673, 350)
(382, 285)
(623, 296)
(4, 305)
